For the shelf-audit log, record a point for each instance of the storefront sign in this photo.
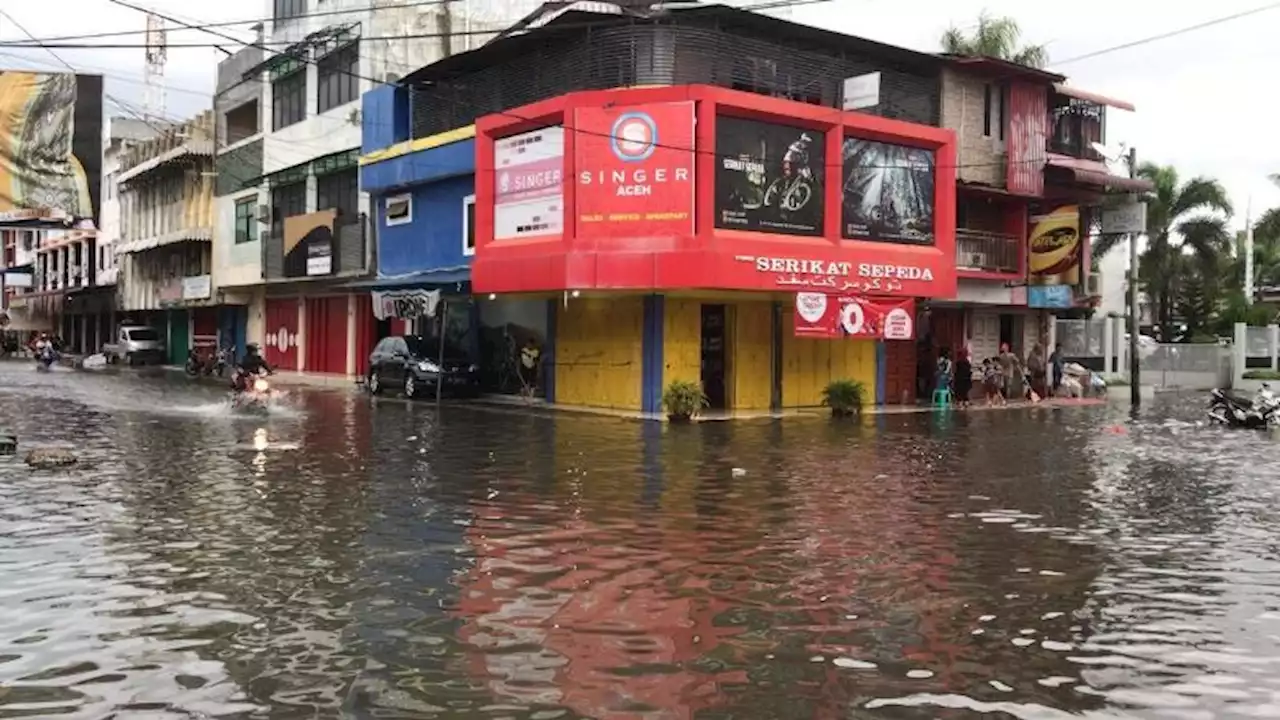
(198, 287)
(528, 199)
(405, 304)
(320, 259)
(820, 315)
(888, 192)
(838, 275)
(769, 177)
(304, 236)
(1054, 257)
(1049, 296)
(634, 170)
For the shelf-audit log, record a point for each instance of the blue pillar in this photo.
(474, 329)
(882, 372)
(651, 356)
(549, 354)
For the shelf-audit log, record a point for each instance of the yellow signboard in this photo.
(1054, 248)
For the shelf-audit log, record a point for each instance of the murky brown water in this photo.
(371, 560)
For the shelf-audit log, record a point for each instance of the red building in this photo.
(676, 227)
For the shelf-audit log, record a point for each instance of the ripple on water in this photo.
(396, 560)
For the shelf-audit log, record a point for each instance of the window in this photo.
(469, 225)
(240, 122)
(399, 209)
(111, 185)
(289, 99)
(993, 108)
(338, 77)
(245, 220)
(287, 201)
(285, 10)
(340, 191)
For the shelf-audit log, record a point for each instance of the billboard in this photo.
(888, 192)
(769, 177)
(308, 244)
(1054, 247)
(528, 184)
(634, 169)
(50, 147)
(822, 315)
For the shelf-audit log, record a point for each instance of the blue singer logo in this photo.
(633, 137)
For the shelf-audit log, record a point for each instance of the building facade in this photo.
(436, 146)
(293, 231)
(166, 227)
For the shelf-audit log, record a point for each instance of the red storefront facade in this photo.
(701, 253)
(650, 214)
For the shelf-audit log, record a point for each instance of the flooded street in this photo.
(347, 557)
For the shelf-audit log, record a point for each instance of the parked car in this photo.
(412, 363)
(136, 345)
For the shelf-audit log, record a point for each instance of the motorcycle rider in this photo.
(250, 365)
(44, 349)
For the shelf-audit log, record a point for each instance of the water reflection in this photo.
(385, 559)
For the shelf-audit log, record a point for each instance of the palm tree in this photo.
(995, 37)
(1182, 218)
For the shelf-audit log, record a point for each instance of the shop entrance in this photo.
(714, 365)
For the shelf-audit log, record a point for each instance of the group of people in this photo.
(1003, 377)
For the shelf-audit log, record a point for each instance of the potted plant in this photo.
(844, 397)
(683, 400)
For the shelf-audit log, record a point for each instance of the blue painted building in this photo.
(422, 199)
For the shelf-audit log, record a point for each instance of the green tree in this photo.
(996, 37)
(1182, 219)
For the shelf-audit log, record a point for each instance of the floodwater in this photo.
(349, 557)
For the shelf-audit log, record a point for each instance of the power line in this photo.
(1171, 33)
(233, 23)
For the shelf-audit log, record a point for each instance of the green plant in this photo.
(683, 399)
(844, 397)
(1261, 375)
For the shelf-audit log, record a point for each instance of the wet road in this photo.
(370, 559)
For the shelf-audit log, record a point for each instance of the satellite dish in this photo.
(1109, 153)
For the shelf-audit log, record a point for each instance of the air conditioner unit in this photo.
(976, 261)
(264, 214)
(1093, 284)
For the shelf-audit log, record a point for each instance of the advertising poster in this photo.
(307, 239)
(50, 147)
(820, 315)
(1053, 256)
(769, 177)
(888, 192)
(634, 169)
(528, 180)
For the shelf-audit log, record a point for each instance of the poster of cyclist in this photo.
(768, 177)
(888, 192)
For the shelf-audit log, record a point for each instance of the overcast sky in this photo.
(1205, 99)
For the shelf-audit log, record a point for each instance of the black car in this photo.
(412, 363)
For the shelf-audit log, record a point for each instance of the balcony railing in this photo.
(984, 251)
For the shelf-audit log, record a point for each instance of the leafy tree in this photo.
(1182, 219)
(996, 37)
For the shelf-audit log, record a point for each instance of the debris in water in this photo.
(739, 472)
(8, 443)
(50, 458)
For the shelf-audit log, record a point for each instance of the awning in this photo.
(1092, 172)
(201, 234)
(1094, 98)
(190, 147)
(18, 269)
(451, 280)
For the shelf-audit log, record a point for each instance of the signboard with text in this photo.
(769, 177)
(800, 274)
(528, 184)
(820, 315)
(634, 170)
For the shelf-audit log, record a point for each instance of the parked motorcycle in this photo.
(1257, 413)
(210, 365)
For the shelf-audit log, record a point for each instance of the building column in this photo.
(651, 354)
(352, 329)
(302, 333)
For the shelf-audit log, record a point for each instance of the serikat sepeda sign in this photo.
(634, 170)
(837, 276)
(819, 315)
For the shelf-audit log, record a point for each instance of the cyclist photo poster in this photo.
(888, 192)
(768, 177)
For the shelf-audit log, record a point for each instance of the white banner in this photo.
(528, 184)
(405, 304)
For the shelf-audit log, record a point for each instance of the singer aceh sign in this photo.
(633, 167)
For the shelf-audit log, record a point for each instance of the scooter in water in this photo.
(45, 359)
(252, 393)
(1257, 413)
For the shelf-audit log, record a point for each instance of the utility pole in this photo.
(1248, 252)
(1135, 385)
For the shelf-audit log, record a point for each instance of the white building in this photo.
(289, 133)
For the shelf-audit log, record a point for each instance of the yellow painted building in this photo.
(620, 351)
